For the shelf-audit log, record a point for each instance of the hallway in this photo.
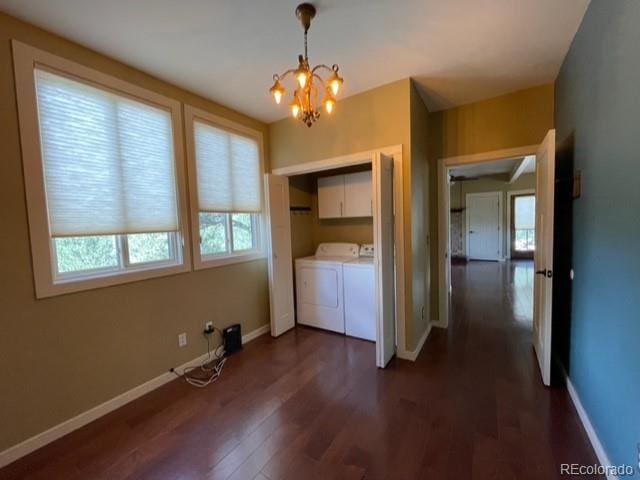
(312, 404)
(501, 422)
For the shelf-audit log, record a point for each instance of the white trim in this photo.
(213, 261)
(412, 355)
(25, 59)
(41, 439)
(511, 193)
(493, 155)
(500, 256)
(586, 423)
(258, 332)
(444, 248)
(341, 161)
(199, 261)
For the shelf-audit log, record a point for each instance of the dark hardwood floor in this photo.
(312, 405)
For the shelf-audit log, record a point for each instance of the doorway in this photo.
(542, 158)
(386, 209)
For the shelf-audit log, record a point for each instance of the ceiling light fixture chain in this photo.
(304, 102)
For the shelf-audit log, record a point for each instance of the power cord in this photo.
(209, 371)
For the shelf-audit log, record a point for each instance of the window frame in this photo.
(47, 282)
(191, 114)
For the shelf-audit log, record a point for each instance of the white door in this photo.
(543, 255)
(384, 258)
(280, 263)
(358, 195)
(331, 196)
(483, 226)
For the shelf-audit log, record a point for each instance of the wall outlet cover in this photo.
(182, 340)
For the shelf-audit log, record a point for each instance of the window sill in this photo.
(212, 262)
(71, 285)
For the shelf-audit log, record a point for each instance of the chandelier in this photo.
(308, 82)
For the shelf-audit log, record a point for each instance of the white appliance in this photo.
(360, 307)
(319, 286)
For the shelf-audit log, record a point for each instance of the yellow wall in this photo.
(63, 355)
(376, 118)
(513, 120)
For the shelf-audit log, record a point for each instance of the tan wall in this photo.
(513, 120)
(420, 173)
(372, 119)
(66, 354)
(489, 184)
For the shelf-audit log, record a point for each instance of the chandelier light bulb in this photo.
(335, 87)
(302, 78)
(277, 90)
(335, 81)
(295, 109)
(329, 103)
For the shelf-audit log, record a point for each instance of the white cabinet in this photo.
(331, 197)
(358, 200)
(343, 196)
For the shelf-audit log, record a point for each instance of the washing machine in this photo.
(360, 305)
(319, 286)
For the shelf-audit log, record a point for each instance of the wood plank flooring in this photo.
(312, 405)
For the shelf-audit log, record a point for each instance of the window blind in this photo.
(228, 171)
(108, 160)
(525, 213)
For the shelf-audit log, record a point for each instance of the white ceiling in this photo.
(458, 51)
(499, 167)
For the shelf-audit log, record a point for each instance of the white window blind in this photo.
(109, 165)
(228, 171)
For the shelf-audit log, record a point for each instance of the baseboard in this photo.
(588, 427)
(256, 333)
(40, 440)
(411, 355)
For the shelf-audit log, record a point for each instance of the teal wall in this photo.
(597, 99)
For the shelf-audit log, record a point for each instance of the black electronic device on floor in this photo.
(232, 336)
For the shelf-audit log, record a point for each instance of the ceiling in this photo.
(458, 51)
(499, 167)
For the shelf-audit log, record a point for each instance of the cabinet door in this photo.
(358, 199)
(331, 197)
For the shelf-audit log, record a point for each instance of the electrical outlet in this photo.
(182, 340)
(208, 326)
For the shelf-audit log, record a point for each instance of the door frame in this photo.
(444, 241)
(364, 157)
(510, 195)
(468, 196)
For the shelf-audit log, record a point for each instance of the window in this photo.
(524, 223)
(225, 174)
(102, 173)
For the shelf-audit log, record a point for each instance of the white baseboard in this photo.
(40, 440)
(256, 333)
(413, 354)
(586, 423)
